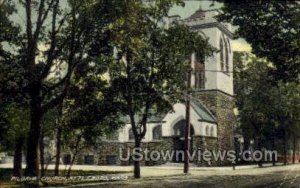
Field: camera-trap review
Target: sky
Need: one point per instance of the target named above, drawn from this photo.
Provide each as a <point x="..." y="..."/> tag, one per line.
<point x="192" y="6"/>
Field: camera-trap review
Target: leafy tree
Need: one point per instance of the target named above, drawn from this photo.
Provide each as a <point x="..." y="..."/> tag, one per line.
<point x="255" y="97"/>
<point x="151" y="62"/>
<point x="14" y="109"/>
<point x="288" y="115"/>
<point x="36" y="65"/>
<point x="53" y="45"/>
<point x="272" y="29"/>
<point x="89" y="112"/>
<point x="294" y="108"/>
<point x="87" y="91"/>
<point x="11" y="74"/>
<point x="16" y="118"/>
<point x="8" y="31"/>
<point x="268" y="109"/>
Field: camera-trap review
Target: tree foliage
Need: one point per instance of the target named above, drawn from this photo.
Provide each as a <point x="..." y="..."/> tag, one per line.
<point x="58" y="42"/>
<point x="272" y="29"/>
<point x="15" y="124"/>
<point x="254" y="89"/>
<point x="267" y="108"/>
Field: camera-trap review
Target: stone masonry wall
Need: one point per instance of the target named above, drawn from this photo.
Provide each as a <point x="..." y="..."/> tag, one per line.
<point x="106" y="149"/>
<point x="200" y="144"/>
<point x="108" y="153"/>
<point x="116" y="149"/>
<point x="221" y="105"/>
<point x="80" y="157"/>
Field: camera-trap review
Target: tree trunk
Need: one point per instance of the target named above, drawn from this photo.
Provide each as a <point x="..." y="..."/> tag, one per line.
<point x="137" y="166"/>
<point x="70" y="167"/>
<point x="32" y="163"/>
<point x="17" y="171"/>
<point x="273" y="149"/>
<point x="260" y="164"/>
<point x="58" y="140"/>
<point x="74" y="156"/>
<point x="285" y="147"/>
<point x="188" y="125"/>
<point x="294" y="149"/>
<point x="58" y="147"/>
<point x="42" y="154"/>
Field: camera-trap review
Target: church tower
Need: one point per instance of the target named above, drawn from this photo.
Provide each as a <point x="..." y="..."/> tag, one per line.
<point x="212" y="80"/>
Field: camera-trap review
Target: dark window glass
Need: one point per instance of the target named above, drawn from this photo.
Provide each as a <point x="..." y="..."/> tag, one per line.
<point x="111" y="159"/>
<point x="199" y="76"/>
<point x="67" y="159"/>
<point x="229" y="47"/>
<point x="222" y="54"/>
<point x="207" y="131"/>
<point x="89" y="159"/>
<point x="157" y="133"/>
<point x="130" y="133"/>
<point x="226" y="57"/>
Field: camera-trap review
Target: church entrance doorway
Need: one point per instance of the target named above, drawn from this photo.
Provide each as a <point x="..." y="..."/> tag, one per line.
<point x="178" y="141"/>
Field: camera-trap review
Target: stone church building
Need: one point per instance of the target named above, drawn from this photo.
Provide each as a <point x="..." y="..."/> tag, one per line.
<point x="212" y="104"/>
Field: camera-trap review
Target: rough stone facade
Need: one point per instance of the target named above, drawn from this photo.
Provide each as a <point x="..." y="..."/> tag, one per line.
<point x="166" y="144"/>
<point x="221" y="105"/>
<point x="201" y="144"/>
<point x="86" y="156"/>
<point x="109" y="151"/>
<point x="116" y="149"/>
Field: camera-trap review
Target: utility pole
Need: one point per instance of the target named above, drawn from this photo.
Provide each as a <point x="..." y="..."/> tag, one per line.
<point x="187" y="119"/>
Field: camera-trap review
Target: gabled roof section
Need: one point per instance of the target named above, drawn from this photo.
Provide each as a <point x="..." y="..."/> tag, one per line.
<point x="203" y="19"/>
<point x="199" y="14"/>
<point x="202" y="111"/>
<point x="152" y="118"/>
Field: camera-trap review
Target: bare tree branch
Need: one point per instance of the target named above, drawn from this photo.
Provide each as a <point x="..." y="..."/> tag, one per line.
<point x="47" y="10"/>
<point x="39" y="22"/>
<point x="28" y="21"/>
<point x="50" y="56"/>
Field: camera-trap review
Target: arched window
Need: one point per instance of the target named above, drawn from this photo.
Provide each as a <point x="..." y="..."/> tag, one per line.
<point x="179" y="128"/>
<point x="229" y="46"/>
<point x="207" y="131"/>
<point x="222" y="54"/>
<point x="199" y="75"/>
<point x="157" y="132"/>
<point x="226" y="57"/>
<point x="212" y="131"/>
<point x="130" y="134"/>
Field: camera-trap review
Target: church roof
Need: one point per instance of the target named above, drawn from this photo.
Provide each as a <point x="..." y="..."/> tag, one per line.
<point x="152" y="118"/>
<point x="203" y="112"/>
<point x="198" y="14"/>
<point x="203" y="19"/>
